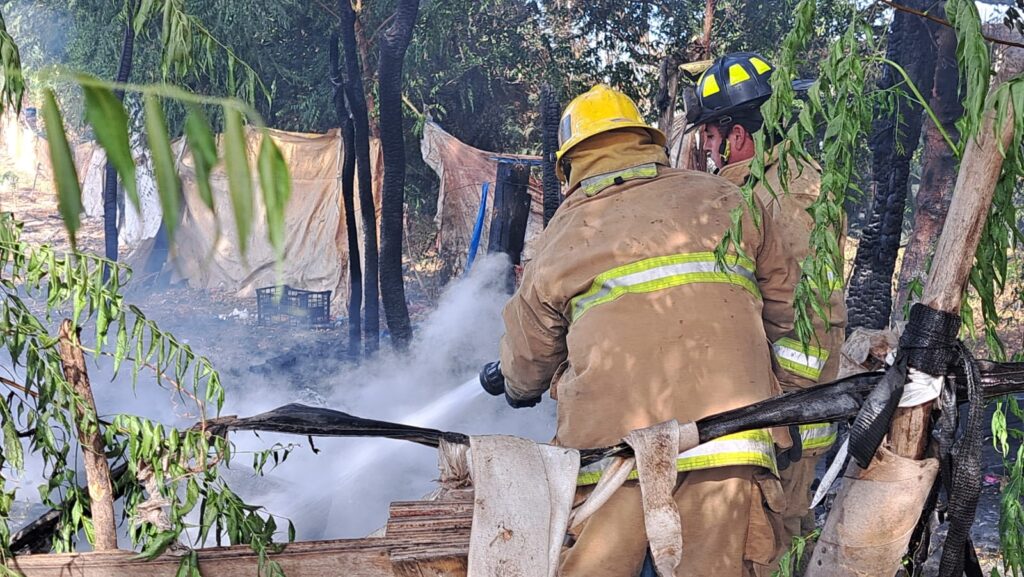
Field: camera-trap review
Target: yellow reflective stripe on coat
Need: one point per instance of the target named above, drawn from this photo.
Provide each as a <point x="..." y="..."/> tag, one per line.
<point x="793" y="357"/>
<point x="818" y="435"/>
<point x="744" y="448"/>
<point x="663" y="272"/>
<point x="596" y="184"/>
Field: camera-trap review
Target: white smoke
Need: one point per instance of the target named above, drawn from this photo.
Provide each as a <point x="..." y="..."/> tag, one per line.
<point x="345" y="490"/>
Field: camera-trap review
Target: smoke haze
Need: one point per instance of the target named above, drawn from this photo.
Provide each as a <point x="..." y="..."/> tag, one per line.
<point x="344" y="491"/>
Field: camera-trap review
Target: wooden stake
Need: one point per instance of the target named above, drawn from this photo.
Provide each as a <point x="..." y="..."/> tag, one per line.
<point x="954" y="255"/>
<point x="97" y="470"/>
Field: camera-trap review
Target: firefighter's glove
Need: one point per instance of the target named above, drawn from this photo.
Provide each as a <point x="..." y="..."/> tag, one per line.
<point x="521" y="403"/>
<point x="491" y="378"/>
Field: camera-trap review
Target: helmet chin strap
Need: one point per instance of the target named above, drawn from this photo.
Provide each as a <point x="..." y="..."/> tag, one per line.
<point x="566" y="168"/>
<point x="724" y="151"/>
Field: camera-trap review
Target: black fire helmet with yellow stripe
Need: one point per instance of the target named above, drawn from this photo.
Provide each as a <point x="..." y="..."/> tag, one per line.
<point x="735" y="83"/>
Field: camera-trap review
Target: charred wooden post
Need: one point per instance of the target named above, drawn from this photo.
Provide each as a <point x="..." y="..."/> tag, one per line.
<point x="895" y="136"/>
<point x="348" y="179"/>
<point x="510" y="214"/>
<point x="550" y="113"/>
<point x="97" y="470"/>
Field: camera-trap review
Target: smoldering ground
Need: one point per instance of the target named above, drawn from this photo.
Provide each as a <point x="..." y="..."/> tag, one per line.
<point x="344" y="489"/>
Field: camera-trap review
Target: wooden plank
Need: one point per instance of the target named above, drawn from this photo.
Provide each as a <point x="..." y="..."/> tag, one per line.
<point x="954" y="256"/>
<point x="340" y="558"/>
<point x="423" y="539"/>
<point x="429" y="538"/>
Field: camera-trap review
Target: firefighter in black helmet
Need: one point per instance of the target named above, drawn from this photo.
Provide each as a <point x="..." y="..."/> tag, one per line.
<point x="730" y="94"/>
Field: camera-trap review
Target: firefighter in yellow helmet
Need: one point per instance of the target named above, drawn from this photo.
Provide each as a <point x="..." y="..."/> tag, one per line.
<point x="625" y="316"/>
<point x="730" y="94"/>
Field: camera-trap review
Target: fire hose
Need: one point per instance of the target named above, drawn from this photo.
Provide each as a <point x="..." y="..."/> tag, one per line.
<point x="835" y="401"/>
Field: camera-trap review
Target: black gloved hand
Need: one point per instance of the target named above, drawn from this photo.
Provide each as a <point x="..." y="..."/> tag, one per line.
<point x="491" y="378"/>
<point x="521" y="404"/>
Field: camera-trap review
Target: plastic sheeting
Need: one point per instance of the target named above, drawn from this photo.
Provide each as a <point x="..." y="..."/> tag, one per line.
<point x="463" y="170"/>
<point x="134" y="224"/>
<point x="316" y="253"/>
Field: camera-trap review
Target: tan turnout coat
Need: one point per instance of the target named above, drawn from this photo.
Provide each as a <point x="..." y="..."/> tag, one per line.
<point x="788" y="211"/>
<point x="621" y="359"/>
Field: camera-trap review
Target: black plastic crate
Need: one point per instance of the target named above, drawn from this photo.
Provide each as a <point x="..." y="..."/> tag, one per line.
<point x="286" y="305"/>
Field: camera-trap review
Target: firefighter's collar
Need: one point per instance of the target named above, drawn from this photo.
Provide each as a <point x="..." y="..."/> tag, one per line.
<point x="593" y="185"/>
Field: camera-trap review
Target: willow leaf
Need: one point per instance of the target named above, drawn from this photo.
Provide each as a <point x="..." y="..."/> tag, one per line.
<point x="168" y="183"/>
<point x="13" y="83"/>
<point x="204" y="151"/>
<point x="69" y="193"/>
<point x="105" y="113"/>
<point x="277" y="189"/>
<point x="972" y="54"/>
<point x="236" y="161"/>
<point x="13" y="452"/>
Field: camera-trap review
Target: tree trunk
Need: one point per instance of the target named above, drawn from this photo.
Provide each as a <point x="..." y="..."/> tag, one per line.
<point x="938" y="170"/>
<point x="348" y="174"/>
<point x="895" y="137"/>
<point x="94" y="456"/>
<point x="954" y="256"/>
<point x="124" y="71"/>
<point x="393" y="45"/>
<point x="668" y="88"/>
<point x="550" y="113"/>
<point x="363" y="45"/>
<point x="357" y="108"/>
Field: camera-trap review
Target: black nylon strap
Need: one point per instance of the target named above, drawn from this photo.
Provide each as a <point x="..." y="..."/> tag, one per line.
<point x="965" y="486"/>
<point x="930" y="340"/>
<point x="872" y="421"/>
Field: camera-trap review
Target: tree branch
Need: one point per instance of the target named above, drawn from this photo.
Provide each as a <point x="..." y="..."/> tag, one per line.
<point x="17" y="387"/>
<point x="944" y="22"/>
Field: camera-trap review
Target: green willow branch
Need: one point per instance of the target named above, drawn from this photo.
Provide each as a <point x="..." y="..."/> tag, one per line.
<point x="59" y="74"/>
<point x="924" y="103"/>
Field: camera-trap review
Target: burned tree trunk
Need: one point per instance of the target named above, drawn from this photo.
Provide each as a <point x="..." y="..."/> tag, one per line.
<point x="894" y="139"/>
<point x="124" y="70"/>
<point x="550" y="113"/>
<point x="361" y="126"/>
<point x="938" y="170"/>
<point x="668" y="88"/>
<point x="393" y="45"/>
<point x="348" y="174"/>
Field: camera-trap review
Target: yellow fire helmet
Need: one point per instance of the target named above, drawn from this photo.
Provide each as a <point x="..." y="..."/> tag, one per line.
<point x="598" y="110"/>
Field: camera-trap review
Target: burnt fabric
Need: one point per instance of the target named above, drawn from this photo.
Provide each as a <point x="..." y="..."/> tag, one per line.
<point x="626" y="317"/>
